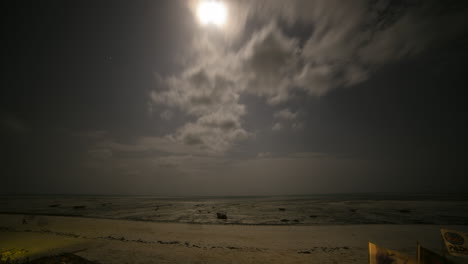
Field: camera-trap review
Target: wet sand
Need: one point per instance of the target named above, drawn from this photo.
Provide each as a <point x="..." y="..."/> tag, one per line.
<point x="120" y="241"/>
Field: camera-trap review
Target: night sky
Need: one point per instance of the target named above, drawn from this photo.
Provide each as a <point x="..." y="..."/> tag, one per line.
<point x="285" y="97"/>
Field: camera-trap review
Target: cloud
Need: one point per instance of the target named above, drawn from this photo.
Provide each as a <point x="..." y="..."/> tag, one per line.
<point x="166" y="145"/>
<point x="268" y="63"/>
<point x="277" y="127"/>
<point x="214" y="133"/>
<point x="287" y="118"/>
<point x="261" y="53"/>
<point x="213" y="99"/>
<point x="166" y="115"/>
<point x="297" y="126"/>
<point x="286" y="114"/>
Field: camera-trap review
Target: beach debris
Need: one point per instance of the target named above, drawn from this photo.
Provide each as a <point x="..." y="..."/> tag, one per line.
<point x="11" y="254"/>
<point x="329" y="249"/>
<point x="54" y="205"/>
<point x="168" y="242"/>
<point x="220" y="215"/>
<point x="79" y="207"/>
<point x="352" y="210"/>
<point x="304" y="252"/>
<point x="313" y="216"/>
<point x="404" y="211"/>
<point x="232" y="247"/>
<point x="284" y="220"/>
<point x="282" y="209"/>
<point x="296" y="220"/>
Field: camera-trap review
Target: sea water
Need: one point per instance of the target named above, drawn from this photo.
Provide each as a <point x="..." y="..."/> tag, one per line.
<point x="335" y="209"/>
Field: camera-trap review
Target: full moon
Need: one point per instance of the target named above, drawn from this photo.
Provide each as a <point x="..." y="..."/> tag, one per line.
<point x="211" y="12"/>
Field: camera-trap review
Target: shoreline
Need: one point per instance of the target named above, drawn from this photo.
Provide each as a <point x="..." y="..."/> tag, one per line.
<point x="110" y="241"/>
<point x="222" y="224"/>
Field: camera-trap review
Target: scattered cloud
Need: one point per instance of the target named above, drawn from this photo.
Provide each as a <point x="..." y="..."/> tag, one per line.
<point x="286" y="114"/>
<point x="346" y="42"/>
<point x="297" y="126"/>
<point x="166" y="115"/>
<point x="268" y="63"/>
<point x="213" y="99"/>
<point x="277" y="127"/>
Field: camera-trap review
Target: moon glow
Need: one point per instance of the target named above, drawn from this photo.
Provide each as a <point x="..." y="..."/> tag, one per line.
<point x="211" y="12"/>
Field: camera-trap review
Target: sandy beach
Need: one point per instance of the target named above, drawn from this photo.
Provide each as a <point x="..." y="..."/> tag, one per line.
<point x="120" y="241"/>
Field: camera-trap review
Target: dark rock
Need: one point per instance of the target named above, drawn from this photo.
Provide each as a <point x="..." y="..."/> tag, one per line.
<point x="352" y="210"/>
<point x="168" y="242"/>
<point x="313" y="216"/>
<point x="405" y="211"/>
<point x="79" y="207"/>
<point x="282" y="209"/>
<point x="304" y="252"/>
<point x="54" y="205"/>
<point x="284" y="220"/>
<point x="296" y="220"/>
<point x="221" y="215"/>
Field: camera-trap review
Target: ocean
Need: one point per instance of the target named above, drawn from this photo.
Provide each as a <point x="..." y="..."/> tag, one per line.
<point x="327" y="209"/>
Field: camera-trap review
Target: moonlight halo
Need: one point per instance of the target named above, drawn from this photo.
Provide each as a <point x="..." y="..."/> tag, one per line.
<point x="211" y="12"/>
